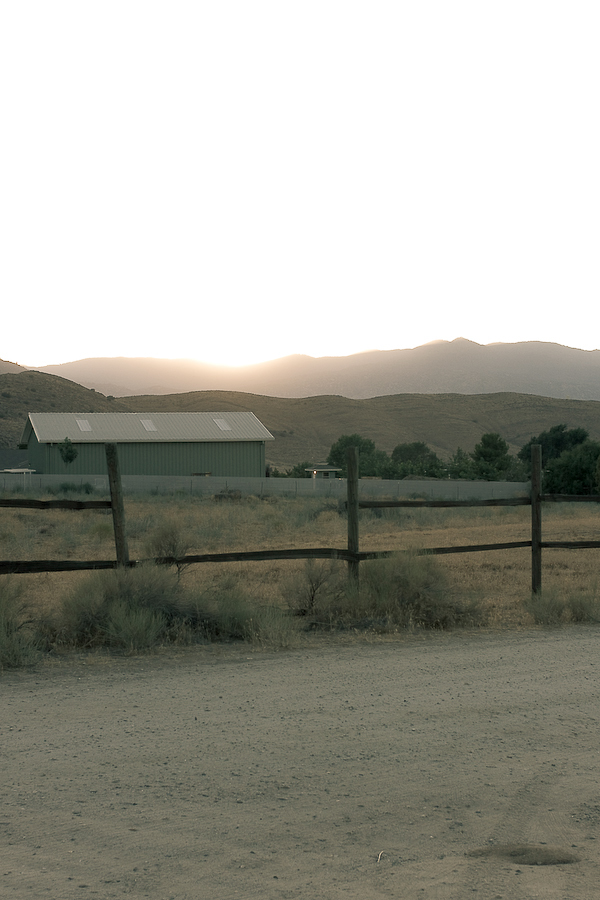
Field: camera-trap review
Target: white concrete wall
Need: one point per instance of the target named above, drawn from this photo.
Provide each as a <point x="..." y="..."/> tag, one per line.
<point x="295" y="487"/>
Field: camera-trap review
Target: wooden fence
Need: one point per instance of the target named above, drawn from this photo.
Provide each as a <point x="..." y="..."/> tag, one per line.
<point x="351" y="554"/>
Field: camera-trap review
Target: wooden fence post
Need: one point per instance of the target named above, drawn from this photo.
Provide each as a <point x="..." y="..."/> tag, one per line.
<point x="116" y="497"/>
<point x="536" y="518"/>
<point x="352" y="503"/>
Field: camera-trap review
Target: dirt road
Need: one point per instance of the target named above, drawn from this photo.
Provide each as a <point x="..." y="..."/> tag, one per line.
<point x="361" y="771"/>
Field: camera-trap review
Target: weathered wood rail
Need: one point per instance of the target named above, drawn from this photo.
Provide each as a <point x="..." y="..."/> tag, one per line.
<point x="55" y="504"/>
<point x="351" y="554"/>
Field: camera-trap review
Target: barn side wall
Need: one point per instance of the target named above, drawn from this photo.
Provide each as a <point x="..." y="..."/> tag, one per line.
<point x="242" y="459"/>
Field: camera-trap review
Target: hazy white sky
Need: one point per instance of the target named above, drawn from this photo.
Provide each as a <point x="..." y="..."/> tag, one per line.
<point x="238" y="181"/>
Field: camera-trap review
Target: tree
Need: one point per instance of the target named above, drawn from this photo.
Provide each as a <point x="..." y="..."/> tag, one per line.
<point x="416" y="459"/>
<point x="491" y="457"/>
<point x="575" y="471"/>
<point x="461" y="465"/>
<point x="298" y="471"/>
<point x="68" y="452"/>
<point x="553" y="442"/>
<point x="375" y="465"/>
<point x="371" y="461"/>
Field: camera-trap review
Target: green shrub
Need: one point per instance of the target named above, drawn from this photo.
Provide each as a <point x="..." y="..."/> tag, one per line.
<point x="144" y="606"/>
<point x="223" y="611"/>
<point x="547" y="607"/>
<point x="403" y="591"/>
<point x="134" y="627"/>
<point x="112" y="608"/>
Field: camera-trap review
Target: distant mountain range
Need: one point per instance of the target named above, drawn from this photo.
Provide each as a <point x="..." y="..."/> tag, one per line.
<point x="458" y="367"/>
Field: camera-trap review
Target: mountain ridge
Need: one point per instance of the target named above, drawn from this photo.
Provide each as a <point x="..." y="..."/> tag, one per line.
<point x="459" y="366"/>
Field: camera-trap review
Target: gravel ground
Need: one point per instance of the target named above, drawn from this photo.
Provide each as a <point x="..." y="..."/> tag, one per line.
<point x="440" y="766"/>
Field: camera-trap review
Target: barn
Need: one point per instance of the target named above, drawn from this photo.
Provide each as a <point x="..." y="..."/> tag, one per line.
<point x="220" y="443"/>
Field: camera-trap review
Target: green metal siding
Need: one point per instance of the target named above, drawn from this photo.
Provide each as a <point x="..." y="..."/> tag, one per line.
<point x="242" y="458"/>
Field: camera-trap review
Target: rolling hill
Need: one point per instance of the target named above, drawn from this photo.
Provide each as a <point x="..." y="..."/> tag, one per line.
<point x="456" y="367"/>
<point x="305" y="428"/>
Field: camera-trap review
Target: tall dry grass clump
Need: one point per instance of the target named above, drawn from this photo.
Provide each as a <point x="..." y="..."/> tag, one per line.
<point x="555" y="606"/>
<point x="226" y="611"/>
<point x="148" y="605"/>
<point x="406" y="590"/>
<point x="126" y="608"/>
<point x="168" y="539"/>
<point x="19" y="642"/>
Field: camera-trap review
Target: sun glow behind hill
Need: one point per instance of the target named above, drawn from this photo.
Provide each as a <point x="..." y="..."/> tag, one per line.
<point x="459" y="366"/>
<point x="246" y="181"/>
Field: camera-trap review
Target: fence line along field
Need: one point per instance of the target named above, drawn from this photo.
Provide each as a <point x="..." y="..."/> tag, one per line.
<point x="280" y="602"/>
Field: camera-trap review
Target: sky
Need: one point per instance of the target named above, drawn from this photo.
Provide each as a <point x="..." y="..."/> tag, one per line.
<point x="239" y="181"/>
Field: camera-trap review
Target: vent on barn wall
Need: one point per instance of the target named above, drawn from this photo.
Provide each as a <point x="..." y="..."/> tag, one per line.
<point x="148" y="424"/>
<point x="223" y="425"/>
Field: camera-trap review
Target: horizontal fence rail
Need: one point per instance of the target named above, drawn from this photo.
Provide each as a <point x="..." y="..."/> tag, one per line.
<point x="397" y="504"/>
<point x="574" y="545"/>
<point x="71" y="565"/>
<point x="570" y="498"/>
<point x="56" y="504"/>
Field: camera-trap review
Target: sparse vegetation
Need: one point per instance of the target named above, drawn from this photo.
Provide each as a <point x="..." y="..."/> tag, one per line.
<point x="407" y="590"/>
<point x="556" y="606"/>
<point x="73" y="487"/>
<point x="139" y="608"/>
<point x="169" y="540"/>
<point x="19" y="643"/>
<point x="276" y="604"/>
<point x="126" y="608"/>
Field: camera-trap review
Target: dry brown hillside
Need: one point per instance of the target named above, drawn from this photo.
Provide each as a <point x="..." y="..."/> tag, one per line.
<point x="29" y="391"/>
<point x="306" y="428"/>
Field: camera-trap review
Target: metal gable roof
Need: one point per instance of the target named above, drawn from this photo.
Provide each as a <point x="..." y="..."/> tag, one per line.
<point x="145" y="427"/>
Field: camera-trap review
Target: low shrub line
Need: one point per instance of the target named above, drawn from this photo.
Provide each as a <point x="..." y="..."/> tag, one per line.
<point x="137" y="609"/>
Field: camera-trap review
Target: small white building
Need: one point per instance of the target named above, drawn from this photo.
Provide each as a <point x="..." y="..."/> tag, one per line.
<point x="322" y="470"/>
